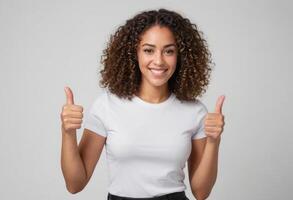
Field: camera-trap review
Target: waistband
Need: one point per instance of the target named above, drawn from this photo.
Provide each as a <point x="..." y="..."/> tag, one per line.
<point x="170" y="196"/>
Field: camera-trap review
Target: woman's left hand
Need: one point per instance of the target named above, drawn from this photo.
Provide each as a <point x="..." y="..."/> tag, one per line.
<point x="214" y="122"/>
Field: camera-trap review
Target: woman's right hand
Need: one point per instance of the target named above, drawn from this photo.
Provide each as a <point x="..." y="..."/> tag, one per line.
<point x="71" y="115"/>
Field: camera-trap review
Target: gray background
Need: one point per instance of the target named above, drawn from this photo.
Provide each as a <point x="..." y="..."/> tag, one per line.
<point x="46" y="45"/>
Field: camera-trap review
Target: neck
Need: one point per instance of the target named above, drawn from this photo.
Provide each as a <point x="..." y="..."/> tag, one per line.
<point x="153" y="94"/>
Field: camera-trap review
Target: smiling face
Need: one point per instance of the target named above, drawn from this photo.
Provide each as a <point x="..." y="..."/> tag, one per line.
<point x="157" y="57"/>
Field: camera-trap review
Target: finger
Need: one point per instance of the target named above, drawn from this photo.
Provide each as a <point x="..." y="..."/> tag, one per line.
<point x="214" y="122"/>
<point x="219" y="104"/>
<point x="213" y="129"/>
<point x="76" y="108"/>
<point x="212" y="116"/>
<point x="72" y="127"/>
<point x="73" y="121"/>
<point x="212" y="134"/>
<point x="72" y="115"/>
<point x="73" y="107"/>
<point x="69" y="95"/>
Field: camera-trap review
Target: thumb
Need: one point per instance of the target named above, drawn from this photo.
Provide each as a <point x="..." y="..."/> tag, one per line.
<point x="69" y="96"/>
<point x="219" y="104"/>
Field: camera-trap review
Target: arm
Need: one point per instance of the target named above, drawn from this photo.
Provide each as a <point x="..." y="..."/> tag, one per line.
<point x="203" y="161"/>
<point x="78" y="161"/>
<point x="202" y="167"/>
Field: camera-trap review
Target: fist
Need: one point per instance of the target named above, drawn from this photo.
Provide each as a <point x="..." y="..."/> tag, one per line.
<point x="214" y="122"/>
<point x="71" y="115"/>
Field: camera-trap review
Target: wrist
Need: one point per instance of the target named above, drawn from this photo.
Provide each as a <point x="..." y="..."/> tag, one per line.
<point x="214" y="141"/>
<point x="65" y="133"/>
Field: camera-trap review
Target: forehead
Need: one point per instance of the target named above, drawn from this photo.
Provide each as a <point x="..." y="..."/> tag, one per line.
<point x="158" y="36"/>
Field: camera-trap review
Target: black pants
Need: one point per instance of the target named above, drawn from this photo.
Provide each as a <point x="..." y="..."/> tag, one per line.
<point x="171" y="196"/>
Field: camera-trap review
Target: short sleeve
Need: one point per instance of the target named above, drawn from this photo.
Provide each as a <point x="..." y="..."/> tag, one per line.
<point x="94" y="119"/>
<point x="199" y="132"/>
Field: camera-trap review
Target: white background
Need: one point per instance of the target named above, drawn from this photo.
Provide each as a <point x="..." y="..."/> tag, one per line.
<point x="46" y="45"/>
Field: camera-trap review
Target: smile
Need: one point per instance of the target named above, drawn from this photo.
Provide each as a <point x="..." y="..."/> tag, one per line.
<point x="158" y="72"/>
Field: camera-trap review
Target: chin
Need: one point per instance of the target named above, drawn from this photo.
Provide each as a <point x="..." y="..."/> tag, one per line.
<point x="158" y="83"/>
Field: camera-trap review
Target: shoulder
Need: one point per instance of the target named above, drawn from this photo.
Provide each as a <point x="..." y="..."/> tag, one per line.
<point x="201" y="110"/>
<point x="106" y="99"/>
<point x="100" y="99"/>
<point x="101" y="95"/>
<point x="195" y="105"/>
<point x="200" y="106"/>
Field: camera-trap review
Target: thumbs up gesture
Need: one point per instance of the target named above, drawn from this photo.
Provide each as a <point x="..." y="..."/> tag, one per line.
<point x="214" y="122"/>
<point x="71" y="115"/>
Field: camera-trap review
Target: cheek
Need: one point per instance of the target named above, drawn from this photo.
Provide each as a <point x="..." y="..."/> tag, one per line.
<point x="173" y="62"/>
<point x="143" y="65"/>
<point x="143" y="60"/>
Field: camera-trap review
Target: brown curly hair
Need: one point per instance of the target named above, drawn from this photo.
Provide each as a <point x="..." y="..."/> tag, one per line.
<point x="121" y="73"/>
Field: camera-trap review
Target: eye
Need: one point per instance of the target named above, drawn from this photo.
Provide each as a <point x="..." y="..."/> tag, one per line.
<point x="170" y="51"/>
<point x="148" y="50"/>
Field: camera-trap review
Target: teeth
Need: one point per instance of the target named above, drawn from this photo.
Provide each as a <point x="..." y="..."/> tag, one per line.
<point x="158" y="71"/>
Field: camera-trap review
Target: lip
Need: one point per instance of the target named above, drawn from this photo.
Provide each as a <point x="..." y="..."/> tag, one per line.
<point x="159" y="74"/>
<point x="159" y="68"/>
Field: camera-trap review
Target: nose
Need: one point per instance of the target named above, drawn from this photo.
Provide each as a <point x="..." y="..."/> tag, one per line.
<point x="158" y="59"/>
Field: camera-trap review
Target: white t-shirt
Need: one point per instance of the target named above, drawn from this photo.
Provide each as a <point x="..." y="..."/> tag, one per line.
<point x="147" y="144"/>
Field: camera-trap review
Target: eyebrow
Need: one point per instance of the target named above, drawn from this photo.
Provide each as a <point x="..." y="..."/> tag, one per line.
<point x="168" y="45"/>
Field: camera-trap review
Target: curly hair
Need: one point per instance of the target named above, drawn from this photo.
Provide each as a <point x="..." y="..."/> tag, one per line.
<point x="121" y="73"/>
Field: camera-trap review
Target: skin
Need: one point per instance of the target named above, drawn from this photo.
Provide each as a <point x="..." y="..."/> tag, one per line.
<point x="203" y="160"/>
<point x="78" y="161"/>
<point x="157" y="49"/>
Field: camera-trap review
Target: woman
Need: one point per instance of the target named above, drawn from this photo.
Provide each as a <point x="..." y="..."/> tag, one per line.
<point x="148" y="116"/>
